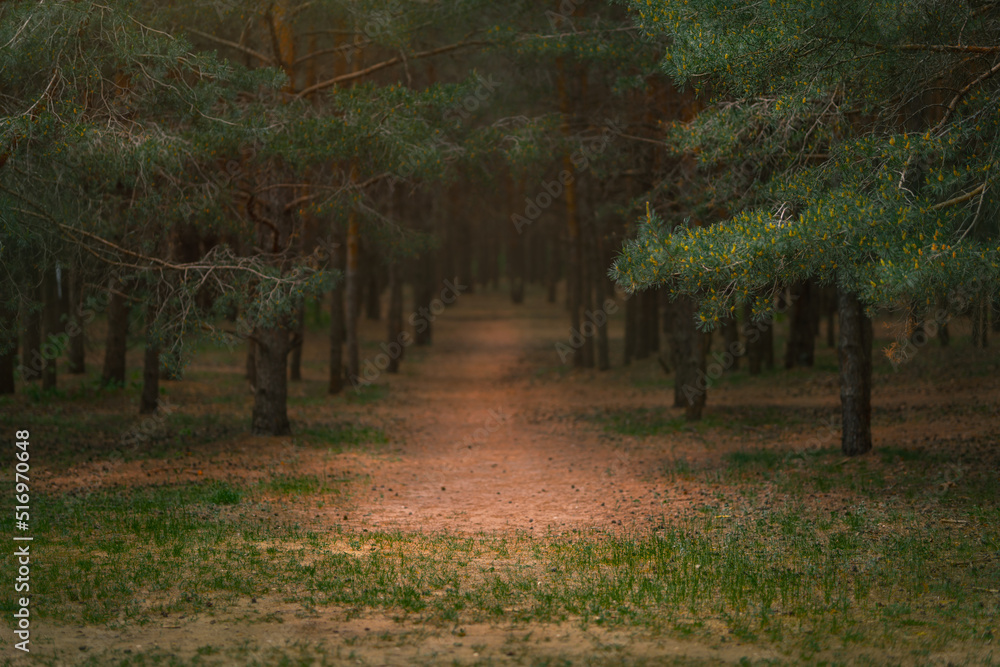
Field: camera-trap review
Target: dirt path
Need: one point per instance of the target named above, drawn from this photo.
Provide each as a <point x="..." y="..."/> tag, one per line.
<point x="486" y="446"/>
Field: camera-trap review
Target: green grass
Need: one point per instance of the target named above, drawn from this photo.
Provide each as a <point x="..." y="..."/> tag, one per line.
<point x="863" y="575"/>
<point x="339" y="435"/>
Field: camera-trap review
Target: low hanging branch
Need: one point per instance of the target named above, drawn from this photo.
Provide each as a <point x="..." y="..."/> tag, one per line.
<point x="322" y="85"/>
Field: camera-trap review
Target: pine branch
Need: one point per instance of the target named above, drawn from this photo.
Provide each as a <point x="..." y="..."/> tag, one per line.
<point x="234" y="45"/>
<point x="322" y="85"/>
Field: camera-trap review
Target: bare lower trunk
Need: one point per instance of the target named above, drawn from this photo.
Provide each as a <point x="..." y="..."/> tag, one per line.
<point x="77" y="358"/>
<point x="8" y="345"/>
<point x="351" y="296"/>
<point x="295" y="362"/>
<point x="270" y="408"/>
<point x="336" y="383"/>
<point x="603" y="296"/>
<point x="731" y="339"/>
<point x="150" y="400"/>
<point x="631" y="310"/>
<point x="855" y="353"/>
<point x="51" y="341"/>
<point x="801" y="347"/>
<point x="117" y="341"/>
<point x="395" y="318"/>
<point x="31" y="347"/>
<point x="689" y="373"/>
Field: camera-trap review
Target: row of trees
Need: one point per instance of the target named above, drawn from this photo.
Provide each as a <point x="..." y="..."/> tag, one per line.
<point x="180" y="166"/>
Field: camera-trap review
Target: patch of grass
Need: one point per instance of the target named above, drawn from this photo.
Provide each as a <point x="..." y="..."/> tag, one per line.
<point x="343" y="434"/>
<point x="861" y="575"/>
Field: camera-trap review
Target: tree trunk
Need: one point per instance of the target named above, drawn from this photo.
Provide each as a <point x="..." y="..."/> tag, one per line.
<point x="373" y="293"/>
<point x="731" y="341"/>
<point x="552" y="270"/>
<point x="52" y="342"/>
<point x="252" y="363"/>
<point x="150" y="400"/>
<point x="801" y="347"/>
<point x="603" y="296"/>
<point x="423" y="328"/>
<point x="642" y="330"/>
<point x="337" y="325"/>
<point x="77" y="359"/>
<point x="754" y="337"/>
<point x="689" y="373"/>
<point x="295" y="363"/>
<point x="113" y="373"/>
<point x="395" y="318"/>
<point x="855" y="353"/>
<point x="652" y="323"/>
<point x="270" y="408"/>
<point x="31" y="348"/>
<point x="631" y="310"/>
<point x="587" y="303"/>
<point x="351" y="288"/>
<point x="8" y="345"/>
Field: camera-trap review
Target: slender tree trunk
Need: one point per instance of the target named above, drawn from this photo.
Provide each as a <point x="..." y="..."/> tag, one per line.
<point x="631" y="310"/>
<point x="731" y="341"/>
<point x="642" y="342"/>
<point x="337" y="326"/>
<point x="801" y="347"/>
<point x="252" y="363"/>
<point x="31" y="348"/>
<point x="395" y="317"/>
<point x="652" y="304"/>
<point x="587" y="303"/>
<point x="51" y="341"/>
<point x="295" y="362"/>
<point x="552" y="270"/>
<point x="150" y="400"/>
<point x="855" y="353"/>
<point x="423" y="330"/>
<point x="373" y="293"/>
<point x="689" y="374"/>
<point x="351" y="287"/>
<point x="8" y="345"/>
<point x="270" y="409"/>
<point x="754" y="337"/>
<point x="117" y="341"/>
<point x="603" y="297"/>
<point x="830" y="306"/>
<point x="77" y="359"/>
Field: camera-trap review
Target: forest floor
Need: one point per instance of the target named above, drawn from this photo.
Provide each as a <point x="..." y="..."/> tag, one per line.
<point x="489" y="504"/>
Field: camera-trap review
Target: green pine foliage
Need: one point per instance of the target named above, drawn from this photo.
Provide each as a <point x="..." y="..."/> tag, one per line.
<point x="851" y="142"/>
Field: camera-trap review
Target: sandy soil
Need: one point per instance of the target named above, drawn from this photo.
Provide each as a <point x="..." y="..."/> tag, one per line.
<point x="490" y="433"/>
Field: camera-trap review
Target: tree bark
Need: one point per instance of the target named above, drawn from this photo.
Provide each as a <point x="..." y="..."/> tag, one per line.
<point x="731" y="341"/>
<point x="855" y="354"/>
<point x="337" y="331"/>
<point x="77" y="358"/>
<point x="395" y="317"/>
<point x="31" y="348"/>
<point x="295" y="363"/>
<point x="51" y="340"/>
<point x="150" y="399"/>
<point x="351" y="288"/>
<point x="631" y="310"/>
<point x="604" y="295"/>
<point x="689" y="373"/>
<point x="801" y="347"/>
<point x="117" y="341"/>
<point x="8" y="346"/>
<point x="270" y="408"/>
<point x="373" y="292"/>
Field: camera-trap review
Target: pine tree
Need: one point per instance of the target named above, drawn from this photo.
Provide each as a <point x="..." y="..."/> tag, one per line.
<point x="837" y="158"/>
